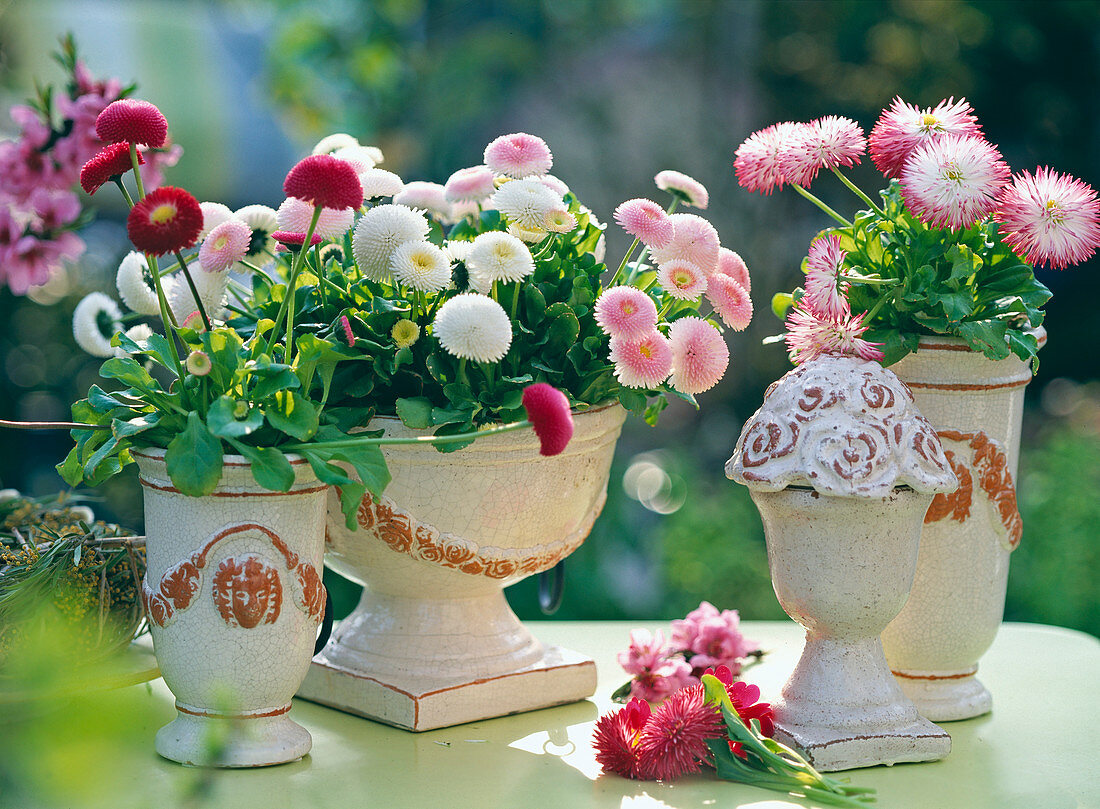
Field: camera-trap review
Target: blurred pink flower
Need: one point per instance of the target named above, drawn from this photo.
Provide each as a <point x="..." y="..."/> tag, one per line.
<point x="731" y="264"/>
<point x="472" y="184"/>
<point x="953" y="181"/>
<point x="712" y="638"/>
<point x="903" y="127"/>
<point x="156" y="161"/>
<point x="656" y="673"/>
<point x="1049" y="218"/>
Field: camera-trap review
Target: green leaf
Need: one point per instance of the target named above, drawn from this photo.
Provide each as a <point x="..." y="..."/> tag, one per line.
<point x="563" y="329"/>
<point x="124" y="429"/>
<point x="781" y="302"/>
<point x="350" y="490"/>
<point x="534" y="305"/>
<point x="223" y="421"/>
<point x="987" y="336"/>
<point x="194" y="458"/>
<point x="274" y="379"/>
<point x="270" y="468"/>
<point x="632" y="400"/>
<point x="455" y="429"/>
<point x="293" y="414"/>
<point x="127" y="371"/>
<point x="445" y="415"/>
<point x="71" y="469"/>
<point x="415" y="413"/>
<point x="964" y="263"/>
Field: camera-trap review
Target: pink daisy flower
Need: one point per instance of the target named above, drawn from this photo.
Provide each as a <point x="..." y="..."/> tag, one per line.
<point x="644" y="363"/>
<point x="548" y="411"/>
<point x="953" y="181"/>
<point x="687" y="189"/>
<point x="681" y="279"/>
<point x="674" y="740"/>
<point x="225" y="245"/>
<point x="757" y="160"/>
<point x="809" y="336"/>
<point x="825" y="289"/>
<point x="626" y="313"/>
<point x="731" y="264"/>
<point x="295" y="214"/>
<point x="699" y="355"/>
<point x="694" y="239"/>
<point x="1049" y="218"/>
<point x="132" y="120"/>
<point x="112" y="161"/>
<point x="519" y="155"/>
<point x="615" y="738"/>
<point x="324" y="180"/>
<point x="426" y="196"/>
<point x="292" y="239"/>
<point x="827" y="143"/>
<point x="473" y="184"/>
<point x="903" y="127"/>
<point x="645" y="220"/>
<point x="730" y="301"/>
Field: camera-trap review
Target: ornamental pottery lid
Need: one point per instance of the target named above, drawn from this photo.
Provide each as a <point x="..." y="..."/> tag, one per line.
<point x="845" y="427"/>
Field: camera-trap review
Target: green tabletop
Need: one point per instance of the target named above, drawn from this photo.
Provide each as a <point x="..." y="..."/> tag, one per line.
<point x="1037" y="750"/>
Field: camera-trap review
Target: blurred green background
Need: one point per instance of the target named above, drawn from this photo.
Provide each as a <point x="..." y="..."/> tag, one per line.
<point x="620" y="89"/>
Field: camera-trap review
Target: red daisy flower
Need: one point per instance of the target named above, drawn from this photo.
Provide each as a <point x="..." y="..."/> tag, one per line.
<point x="744" y="698"/>
<point x="133" y="121"/>
<point x="616" y="738"/>
<point x="548" y="411"/>
<point x="674" y="740"/>
<point x="292" y="239"/>
<point x="167" y="220"/>
<point x="325" y="180"/>
<point x="112" y="161"/>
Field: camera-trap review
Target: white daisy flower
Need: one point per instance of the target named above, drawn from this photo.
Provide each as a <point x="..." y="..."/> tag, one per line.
<point x="426" y="197"/>
<point x="213" y="214"/>
<point x="560" y="221"/>
<point x="375" y="154"/>
<point x="380" y="232"/>
<point x="458" y="250"/>
<point x="528" y="235"/>
<point x="473" y="327"/>
<point x="359" y="156"/>
<point x="294" y="215"/>
<point x="264" y="221"/>
<point x="422" y="266"/>
<point x="136" y="333"/>
<point x="497" y="256"/>
<point x="380" y="183"/>
<point x="210" y="285"/>
<point x="96" y="319"/>
<point x="526" y="202"/>
<point x="135" y="285"/>
<point x="330" y="143"/>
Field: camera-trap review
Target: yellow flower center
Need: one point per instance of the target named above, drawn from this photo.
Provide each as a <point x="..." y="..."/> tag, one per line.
<point x="681" y="279"/>
<point x="929" y="120"/>
<point x="628" y="308"/>
<point x="163" y="214"/>
<point x="221" y="242"/>
<point x="647" y="352"/>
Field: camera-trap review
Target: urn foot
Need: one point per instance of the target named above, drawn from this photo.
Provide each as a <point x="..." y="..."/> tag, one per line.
<point x="208" y="739"/>
<point x="828" y="751"/>
<point x="946" y="697"/>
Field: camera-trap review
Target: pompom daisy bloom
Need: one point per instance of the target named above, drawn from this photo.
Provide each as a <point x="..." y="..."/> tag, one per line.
<point x="809" y="336"/>
<point x="405" y="333"/>
<point x="1049" y="218"/>
<point x="332" y="251"/>
<point x="473" y="327"/>
<point x="360" y="157"/>
<point x="548" y="411"/>
<point x="422" y="266"/>
<point x="458" y="249"/>
<point x="330" y="143"/>
<point x="681" y="279"/>
<point x="526" y="203"/>
<point x="497" y="256"/>
<point x="213" y="214"/>
<point x="615" y="738"/>
<point x="953" y="181"/>
<point x="326" y="181"/>
<point x="730" y="301"/>
<point x="425" y="196"/>
<point x="135" y="285"/>
<point x="472" y="184"/>
<point x="166" y="220"/>
<point x="645" y="220"/>
<point x="382" y="230"/>
<point x="527" y="235"/>
<point x="903" y="127"/>
<point x="825" y="289"/>
<point x="558" y="221"/>
<point x="731" y="264"/>
<point x="290" y="240"/>
<point x="757" y="160"/>
<point x="519" y="155"/>
<point x="225" y="245"/>
<point x="674" y="740"/>
<point x="211" y="287"/>
<point x="111" y="163"/>
<point x="693" y="239"/>
<point x="131" y="120"/>
<point x="686" y="189"/>
<point x="295" y="214"/>
<point x="553" y="183"/>
<point x="96" y="320"/>
<point x="263" y="221"/>
<point x="380" y="183"/>
<point x="699" y="355"/>
<point x="644" y="363"/>
<point x="626" y="313"/>
<point x="824" y="144"/>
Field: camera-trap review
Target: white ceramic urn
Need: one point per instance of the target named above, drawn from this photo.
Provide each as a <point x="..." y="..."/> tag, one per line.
<point x="842" y="468"/>
<point x="433" y="641"/>
<point x="234" y="597"/>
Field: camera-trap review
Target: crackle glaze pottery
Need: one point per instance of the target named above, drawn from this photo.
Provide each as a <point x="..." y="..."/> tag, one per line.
<point x="842" y="468"/>
<point x="234" y="596"/>
<point x="955" y="609"/>
<point x="433" y="641"/>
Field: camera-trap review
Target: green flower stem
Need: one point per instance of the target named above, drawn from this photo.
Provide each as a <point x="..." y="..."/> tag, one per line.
<point x="166" y="317"/>
<point x="889" y="296"/>
<point x="258" y="270"/>
<point x="462" y="377"/>
<point x="622" y="265"/>
<point x="821" y="205"/>
<point x="870" y="281"/>
<point x="673" y="205"/>
<point x="638" y="264"/>
<point x="352" y="443"/>
<point x="855" y="189"/>
<point x="515" y="301"/>
<point x="339" y="290"/>
<point x="194" y="291"/>
<point x="320" y="274"/>
<point x="125" y="193"/>
<point x="137" y="171"/>
<point x="285" y="307"/>
<point x="52" y="425"/>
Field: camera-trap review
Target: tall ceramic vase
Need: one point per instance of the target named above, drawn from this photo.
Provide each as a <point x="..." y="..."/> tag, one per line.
<point x="957" y="602"/>
<point x="234" y="596"/>
<point x="433" y="641"/>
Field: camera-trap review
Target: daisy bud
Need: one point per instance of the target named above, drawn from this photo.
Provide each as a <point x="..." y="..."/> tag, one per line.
<point x="405" y="333"/>
<point x="132" y="120"/>
<point x="349" y="335"/>
<point x="548" y="411"/>
<point x="198" y="363"/>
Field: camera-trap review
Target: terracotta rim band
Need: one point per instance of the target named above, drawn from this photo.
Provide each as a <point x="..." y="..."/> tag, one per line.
<point x="935" y="676"/>
<point x="224" y="715"/>
<point x="174" y="490"/>
<point x="296" y="462"/>
<point x="963" y="386"/>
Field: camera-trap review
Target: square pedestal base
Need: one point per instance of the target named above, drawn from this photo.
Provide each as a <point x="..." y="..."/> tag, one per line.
<point x="561" y="676"/>
<point x="828" y="752"/>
